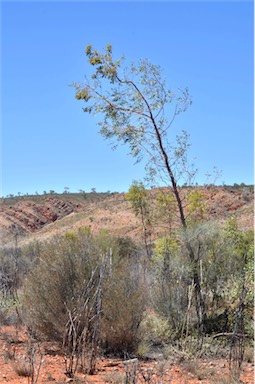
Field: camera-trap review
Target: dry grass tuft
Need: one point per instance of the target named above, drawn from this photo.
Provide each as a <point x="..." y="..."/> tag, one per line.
<point x="22" y="368"/>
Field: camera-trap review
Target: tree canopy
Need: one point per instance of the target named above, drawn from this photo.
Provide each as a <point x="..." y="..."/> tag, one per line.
<point x="135" y="107"/>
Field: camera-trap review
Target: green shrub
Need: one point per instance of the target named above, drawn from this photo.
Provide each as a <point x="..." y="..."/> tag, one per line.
<point x="67" y="277"/>
<point x="55" y="284"/>
<point x="155" y="329"/>
<point x="123" y="307"/>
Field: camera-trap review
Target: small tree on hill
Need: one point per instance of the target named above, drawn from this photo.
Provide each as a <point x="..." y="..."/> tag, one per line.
<point x="137" y="109"/>
<point x="138" y="197"/>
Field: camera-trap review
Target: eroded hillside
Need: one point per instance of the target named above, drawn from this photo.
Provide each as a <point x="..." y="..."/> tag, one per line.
<point x="44" y="216"/>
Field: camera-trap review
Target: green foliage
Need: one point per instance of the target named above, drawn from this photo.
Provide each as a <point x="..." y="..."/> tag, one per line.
<point x="133" y="111"/>
<point x="196" y="205"/>
<point x="155" y="330"/>
<point x="55" y="284"/>
<point x="241" y="245"/>
<point x="165" y="209"/>
<point x="133" y="105"/>
<point x="164" y="245"/>
<point x="83" y="95"/>
<point x="242" y="241"/>
<point x="220" y="266"/>
<point x="72" y="236"/>
<point x="138" y="197"/>
<point x="217" y="266"/>
<point x="15" y="264"/>
<point x="85" y="231"/>
<point x="125" y="296"/>
<point x="68" y="270"/>
<point x="172" y="278"/>
<point x="125" y="248"/>
<point x="164" y="200"/>
<point x="106" y="68"/>
<point x="123" y="308"/>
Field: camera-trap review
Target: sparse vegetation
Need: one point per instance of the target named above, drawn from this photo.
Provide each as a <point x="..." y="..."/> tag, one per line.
<point x="147" y="300"/>
<point x="132" y="110"/>
<point x="185" y="289"/>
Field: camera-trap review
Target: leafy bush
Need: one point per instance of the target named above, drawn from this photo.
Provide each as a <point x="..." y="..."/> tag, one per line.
<point x="55" y="284"/>
<point x="66" y="279"/>
<point x="171" y="281"/>
<point x="15" y="263"/>
<point x="123" y="306"/>
<point x="154" y="329"/>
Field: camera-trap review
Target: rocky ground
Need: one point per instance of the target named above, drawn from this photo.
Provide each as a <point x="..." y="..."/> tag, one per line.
<point x="15" y="363"/>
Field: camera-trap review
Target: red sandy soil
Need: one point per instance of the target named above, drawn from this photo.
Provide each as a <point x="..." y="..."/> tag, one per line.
<point x="14" y="347"/>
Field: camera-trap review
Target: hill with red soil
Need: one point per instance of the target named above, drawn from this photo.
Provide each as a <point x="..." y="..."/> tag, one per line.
<point x="43" y="216"/>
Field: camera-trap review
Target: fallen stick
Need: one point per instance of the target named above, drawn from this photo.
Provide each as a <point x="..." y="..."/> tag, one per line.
<point x="229" y="334"/>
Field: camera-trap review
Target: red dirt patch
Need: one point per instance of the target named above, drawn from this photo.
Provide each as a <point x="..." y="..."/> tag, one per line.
<point x="13" y="352"/>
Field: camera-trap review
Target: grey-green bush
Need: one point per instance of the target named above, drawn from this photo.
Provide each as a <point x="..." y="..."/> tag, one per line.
<point x="54" y="286"/>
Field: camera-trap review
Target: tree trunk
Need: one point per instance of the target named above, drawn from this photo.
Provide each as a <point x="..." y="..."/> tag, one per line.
<point x="200" y="306"/>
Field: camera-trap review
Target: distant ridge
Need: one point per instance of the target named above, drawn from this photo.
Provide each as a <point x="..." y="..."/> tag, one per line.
<point x="41" y="216"/>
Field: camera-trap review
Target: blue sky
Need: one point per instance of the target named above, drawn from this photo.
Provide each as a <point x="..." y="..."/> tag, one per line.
<point x="48" y="142"/>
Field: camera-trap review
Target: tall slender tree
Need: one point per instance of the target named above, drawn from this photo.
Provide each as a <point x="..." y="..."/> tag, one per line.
<point x="136" y="108"/>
